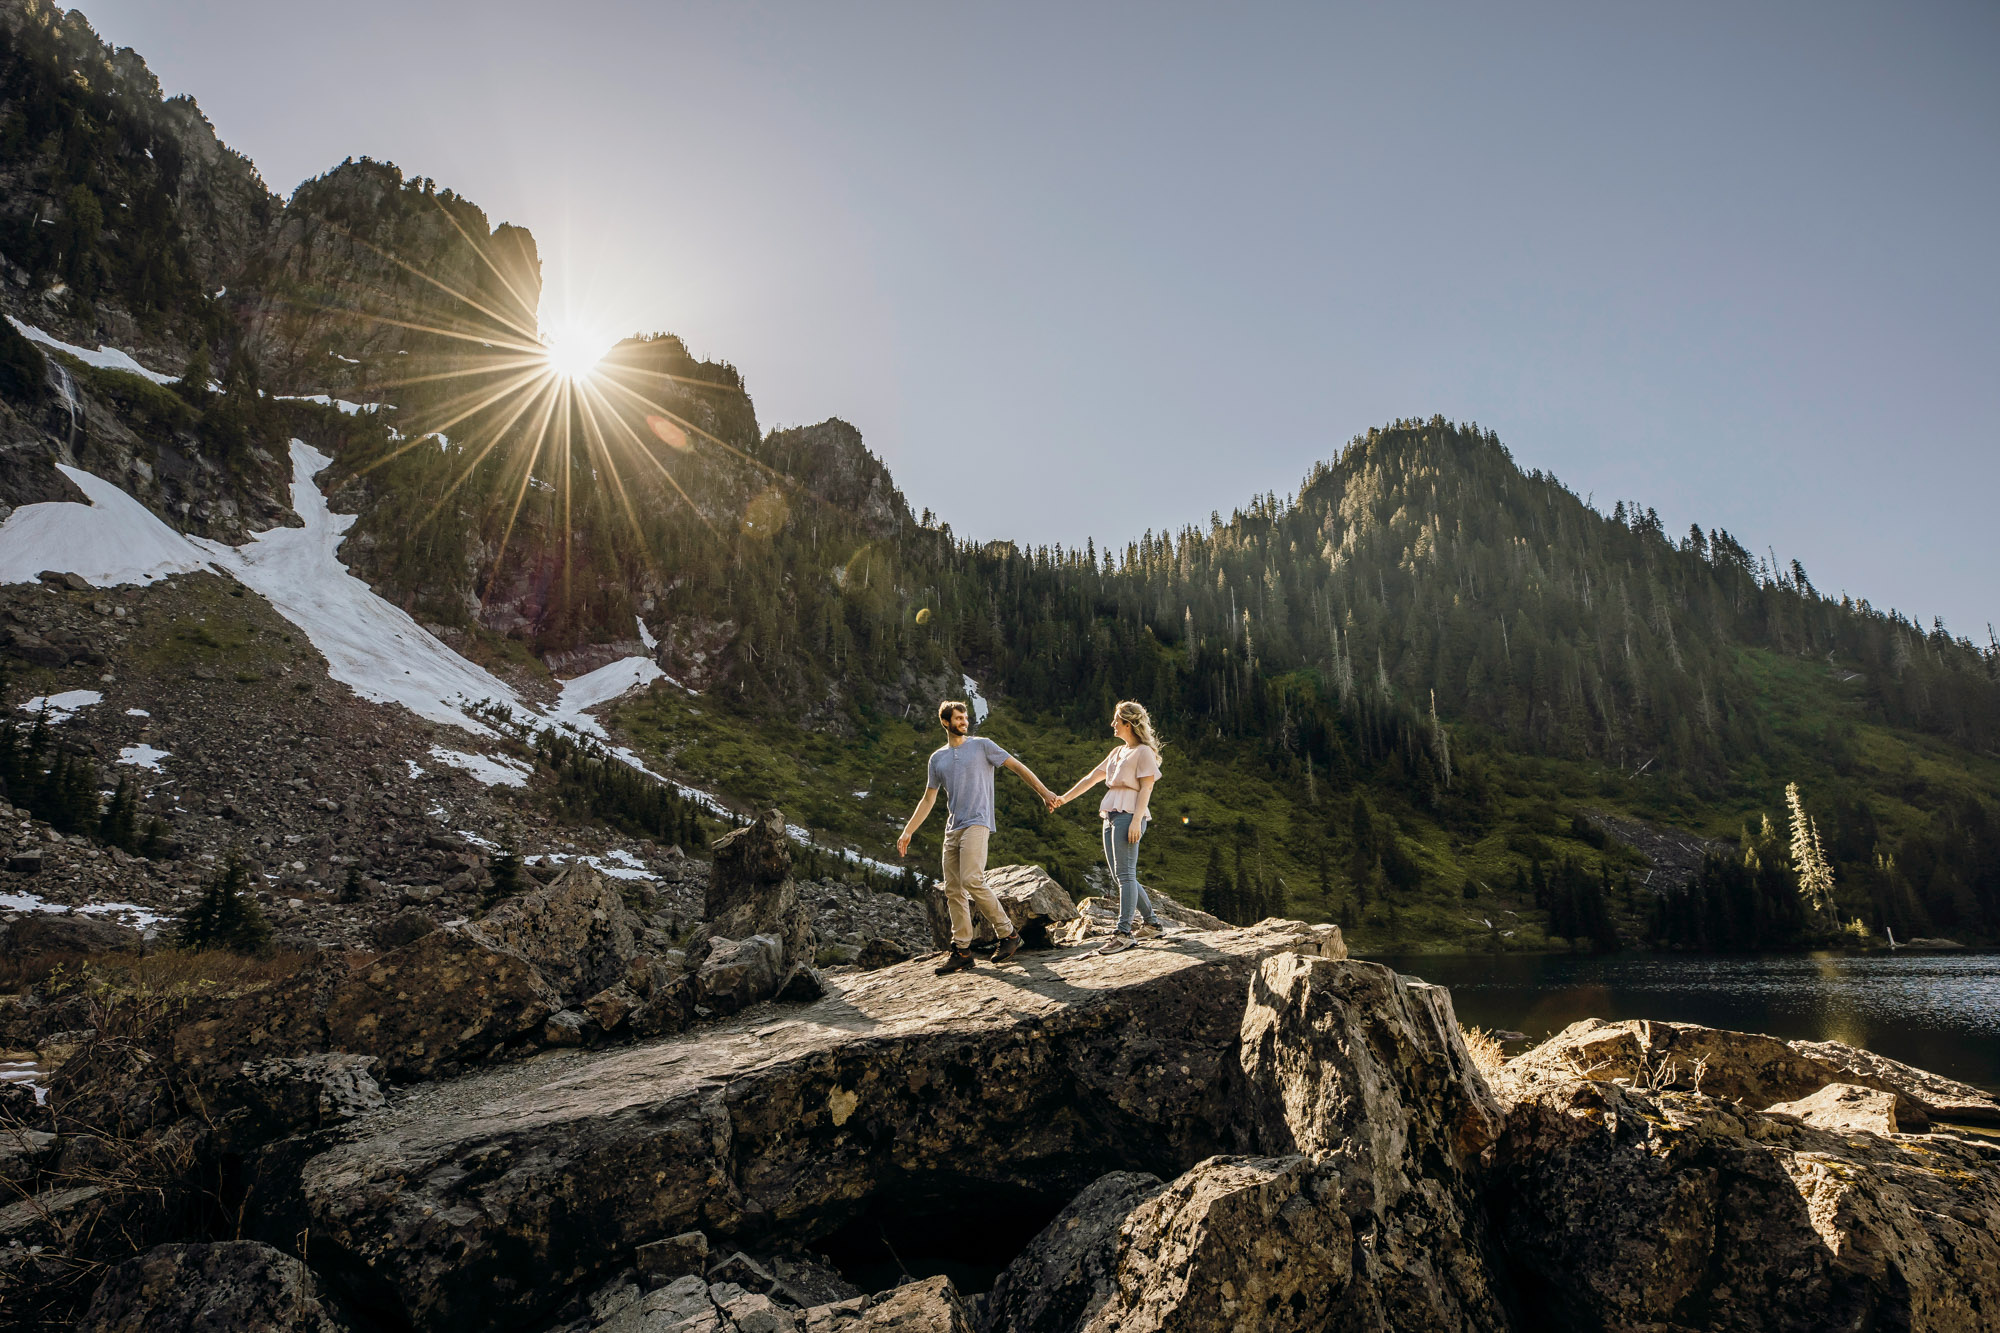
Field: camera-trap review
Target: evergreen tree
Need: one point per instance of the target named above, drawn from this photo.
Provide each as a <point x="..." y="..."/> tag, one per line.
<point x="226" y="916"/>
<point x="118" y="826"/>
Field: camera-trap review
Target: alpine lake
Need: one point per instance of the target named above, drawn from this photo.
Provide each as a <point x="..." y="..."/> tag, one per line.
<point x="1938" y="1011"/>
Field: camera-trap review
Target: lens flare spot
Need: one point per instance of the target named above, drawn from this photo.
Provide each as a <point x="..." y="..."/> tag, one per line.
<point x="670" y="435"/>
<point x="765" y="514"/>
<point x="924" y="616"/>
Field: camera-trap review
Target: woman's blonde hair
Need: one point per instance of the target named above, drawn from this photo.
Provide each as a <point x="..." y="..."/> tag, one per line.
<point x="1134" y="715"/>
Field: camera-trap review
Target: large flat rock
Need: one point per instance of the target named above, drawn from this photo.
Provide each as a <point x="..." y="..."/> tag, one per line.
<point x="480" y="1202"/>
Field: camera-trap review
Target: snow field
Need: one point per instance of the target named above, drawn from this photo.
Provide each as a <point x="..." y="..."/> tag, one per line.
<point x="104" y="358"/>
<point x="110" y="541"/>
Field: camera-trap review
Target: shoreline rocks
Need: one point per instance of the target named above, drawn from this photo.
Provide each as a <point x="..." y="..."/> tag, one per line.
<point x="1219" y="1130"/>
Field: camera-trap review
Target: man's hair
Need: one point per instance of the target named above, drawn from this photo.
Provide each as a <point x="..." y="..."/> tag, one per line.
<point x="945" y="710"/>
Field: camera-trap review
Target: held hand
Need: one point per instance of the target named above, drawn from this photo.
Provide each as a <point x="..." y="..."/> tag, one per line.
<point x="1050" y="799"/>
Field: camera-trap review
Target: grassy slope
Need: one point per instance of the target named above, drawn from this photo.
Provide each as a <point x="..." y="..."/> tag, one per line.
<point x="858" y="790"/>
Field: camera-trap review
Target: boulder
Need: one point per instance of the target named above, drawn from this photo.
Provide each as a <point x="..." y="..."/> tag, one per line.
<point x="740" y="973"/>
<point x="406" y="927"/>
<point x="1237" y="1243"/>
<point x="69" y="932"/>
<point x="446" y="1001"/>
<point x="929" y="1306"/>
<point x="896" y="1086"/>
<point x="569" y="1027"/>
<point x="1366" y="1074"/>
<point x="874" y="953"/>
<point x="24" y="1153"/>
<point x="1070" y="1270"/>
<point x="675" y="1256"/>
<point x="235" y="1286"/>
<point x="1846" y="1108"/>
<point x="576" y="930"/>
<point x="1745" y="1067"/>
<point x="309" y="1092"/>
<point x="1626" y="1209"/>
<point x="1035" y="903"/>
<point x="1940" y="1098"/>
<point x="751" y="892"/>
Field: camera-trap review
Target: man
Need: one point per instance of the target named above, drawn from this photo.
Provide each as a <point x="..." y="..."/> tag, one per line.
<point x="963" y="766"/>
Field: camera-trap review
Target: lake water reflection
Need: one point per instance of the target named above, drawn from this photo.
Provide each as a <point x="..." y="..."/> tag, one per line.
<point x="1937" y="1011"/>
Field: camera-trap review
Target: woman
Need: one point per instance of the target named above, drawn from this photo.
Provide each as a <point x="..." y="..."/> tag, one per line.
<point x="1128" y="774"/>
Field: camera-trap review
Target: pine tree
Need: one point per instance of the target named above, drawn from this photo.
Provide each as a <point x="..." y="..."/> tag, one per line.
<point x="118" y="826"/>
<point x="226" y="916"/>
<point x="1809" y="860"/>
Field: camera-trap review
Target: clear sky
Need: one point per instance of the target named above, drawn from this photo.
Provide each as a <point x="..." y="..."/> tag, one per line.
<point x="1083" y="269"/>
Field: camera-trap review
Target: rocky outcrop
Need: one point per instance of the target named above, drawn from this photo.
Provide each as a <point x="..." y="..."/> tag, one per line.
<point x="1035" y="903"/>
<point x="1942" y="1098"/>
<point x="482" y="1200"/>
<point x="1745" y="1067"/>
<point x="1624" y="1209"/>
<point x="1845" y="1108"/>
<point x="226" y="1287"/>
<point x="448" y="1000"/>
<point x="575" y="930"/>
<point x="758" y="932"/>
<point x="1364" y="1212"/>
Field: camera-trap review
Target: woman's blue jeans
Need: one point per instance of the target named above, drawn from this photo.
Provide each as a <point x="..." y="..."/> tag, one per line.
<point x="1122" y="859"/>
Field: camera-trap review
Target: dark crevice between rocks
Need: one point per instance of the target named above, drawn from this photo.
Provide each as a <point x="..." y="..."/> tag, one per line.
<point x="968" y="1230"/>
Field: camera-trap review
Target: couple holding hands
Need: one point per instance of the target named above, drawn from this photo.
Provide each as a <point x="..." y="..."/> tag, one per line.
<point x="963" y="768"/>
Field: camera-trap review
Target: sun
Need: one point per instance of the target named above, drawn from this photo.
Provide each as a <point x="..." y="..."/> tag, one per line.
<point x="573" y="353"/>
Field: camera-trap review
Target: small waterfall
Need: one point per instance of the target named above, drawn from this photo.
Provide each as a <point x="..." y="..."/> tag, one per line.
<point x="65" y="388"/>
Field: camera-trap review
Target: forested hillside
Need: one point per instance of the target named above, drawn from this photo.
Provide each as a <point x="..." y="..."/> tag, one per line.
<point x="1414" y="696"/>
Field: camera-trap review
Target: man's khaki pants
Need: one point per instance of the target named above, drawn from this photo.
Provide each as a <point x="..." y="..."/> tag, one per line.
<point x="965" y="878"/>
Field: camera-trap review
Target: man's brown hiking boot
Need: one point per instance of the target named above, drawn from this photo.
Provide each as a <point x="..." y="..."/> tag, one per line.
<point x="955" y="961"/>
<point x="1007" y="948"/>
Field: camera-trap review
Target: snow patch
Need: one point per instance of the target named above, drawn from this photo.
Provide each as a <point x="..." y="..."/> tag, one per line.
<point x="137" y="712"/>
<point x="142" y="756"/>
<point x="601" y="686"/>
<point x="415" y="772"/>
<point x="131" y="914"/>
<point x="371" y="646"/>
<point x="62" y="707"/>
<point x="646" y="635"/>
<point x="112" y="540"/>
<point x="975" y="699"/>
<point x="28" y="1074"/>
<point x="327" y="400"/>
<point x="618" y="865"/>
<point x="494" y="772"/>
<point x="104" y="358"/>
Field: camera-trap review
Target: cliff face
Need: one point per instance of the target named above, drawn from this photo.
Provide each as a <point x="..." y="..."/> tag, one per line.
<point x="367" y="279"/>
<point x="831" y="462"/>
<point x="121" y="212"/>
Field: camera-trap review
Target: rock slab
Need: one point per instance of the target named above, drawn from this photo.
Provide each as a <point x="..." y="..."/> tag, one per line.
<point x="226" y="1287"/>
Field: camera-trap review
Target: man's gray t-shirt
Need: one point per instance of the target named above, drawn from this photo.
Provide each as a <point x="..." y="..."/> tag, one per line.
<point x="965" y="771"/>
